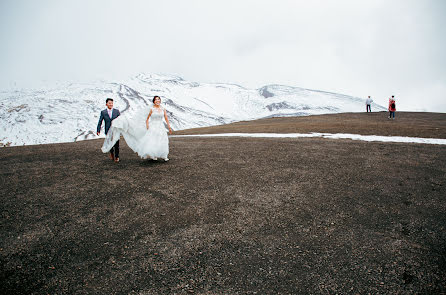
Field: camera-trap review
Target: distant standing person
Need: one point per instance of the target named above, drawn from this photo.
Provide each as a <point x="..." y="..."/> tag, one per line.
<point x="392" y="107"/>
<point x="368" y="103"/>
<point x="108" y="115"/>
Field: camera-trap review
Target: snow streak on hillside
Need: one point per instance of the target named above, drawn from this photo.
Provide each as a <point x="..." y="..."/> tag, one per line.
<point x="70" y="111"/>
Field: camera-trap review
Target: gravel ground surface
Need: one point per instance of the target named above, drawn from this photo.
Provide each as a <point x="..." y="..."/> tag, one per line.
<point x="228" y="216"/>
<point x="430" y="125"/>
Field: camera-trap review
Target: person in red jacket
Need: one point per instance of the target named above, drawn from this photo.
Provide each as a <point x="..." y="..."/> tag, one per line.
<point x="392" y="107"/>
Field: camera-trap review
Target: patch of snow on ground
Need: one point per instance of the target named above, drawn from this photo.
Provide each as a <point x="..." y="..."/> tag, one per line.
<point x="329" y="136"/>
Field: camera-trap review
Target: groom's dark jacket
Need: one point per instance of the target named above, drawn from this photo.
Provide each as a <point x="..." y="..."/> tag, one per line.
<point x="104" y="116"/>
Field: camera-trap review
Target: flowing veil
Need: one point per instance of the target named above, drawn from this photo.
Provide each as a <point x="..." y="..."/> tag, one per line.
<point x="132" y="126"/>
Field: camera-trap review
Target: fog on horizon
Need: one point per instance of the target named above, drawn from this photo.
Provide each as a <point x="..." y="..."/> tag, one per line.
<point x="360" y="48"/>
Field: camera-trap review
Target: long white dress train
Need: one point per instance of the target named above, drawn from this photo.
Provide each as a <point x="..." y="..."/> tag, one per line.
<point x="152" y="143"/>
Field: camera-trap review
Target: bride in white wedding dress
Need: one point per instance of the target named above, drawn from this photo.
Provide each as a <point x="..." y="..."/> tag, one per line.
<point x="148" y="140"/>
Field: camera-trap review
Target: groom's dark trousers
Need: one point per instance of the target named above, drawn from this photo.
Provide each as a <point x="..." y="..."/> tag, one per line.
<point x="106" y="118"/>
<point x="115" y="150"/>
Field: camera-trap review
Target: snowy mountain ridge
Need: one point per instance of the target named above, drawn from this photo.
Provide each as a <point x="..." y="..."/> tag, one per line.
<point x="69" y="112"/>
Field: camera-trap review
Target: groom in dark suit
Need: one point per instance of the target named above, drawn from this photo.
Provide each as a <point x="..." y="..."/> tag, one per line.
<point x="108" y="115"/>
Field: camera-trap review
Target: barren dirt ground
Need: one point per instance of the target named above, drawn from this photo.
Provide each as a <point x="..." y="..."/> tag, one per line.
<point x="229" y="215"/>
<point x="431" y="125"/>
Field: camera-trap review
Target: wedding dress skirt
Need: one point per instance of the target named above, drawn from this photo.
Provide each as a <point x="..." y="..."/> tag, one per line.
<point x="152" y="143"/>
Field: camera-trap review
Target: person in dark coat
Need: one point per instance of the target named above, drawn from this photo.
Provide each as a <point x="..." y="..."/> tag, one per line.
<point x="108" y="115"/>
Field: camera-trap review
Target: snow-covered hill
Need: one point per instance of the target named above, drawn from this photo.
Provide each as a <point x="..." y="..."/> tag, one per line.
<point x="69" y="111"/>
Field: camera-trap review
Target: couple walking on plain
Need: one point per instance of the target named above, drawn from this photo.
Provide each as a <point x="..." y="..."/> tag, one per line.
<point x="144" y="132"/>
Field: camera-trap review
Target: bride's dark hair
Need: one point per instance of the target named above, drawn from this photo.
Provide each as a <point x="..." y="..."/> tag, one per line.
<point x="153" y="100"/>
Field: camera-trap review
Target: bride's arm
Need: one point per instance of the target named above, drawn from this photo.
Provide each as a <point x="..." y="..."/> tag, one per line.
<point x="147" y="120"/>
<point x="167" y="121"/>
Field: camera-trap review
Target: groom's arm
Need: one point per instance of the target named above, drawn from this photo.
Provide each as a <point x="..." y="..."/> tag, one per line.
<point x="101" y="118"/>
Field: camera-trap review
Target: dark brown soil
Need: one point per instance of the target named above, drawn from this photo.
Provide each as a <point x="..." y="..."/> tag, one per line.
<point x="226" y="216"/>
<point x="431" y="125"/>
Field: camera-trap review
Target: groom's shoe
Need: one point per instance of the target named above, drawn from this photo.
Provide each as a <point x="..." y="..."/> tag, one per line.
<point x="112" y="157"/>
<point x="116" y="160"/>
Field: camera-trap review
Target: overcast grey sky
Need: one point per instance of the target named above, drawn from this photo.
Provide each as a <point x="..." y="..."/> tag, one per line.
<point x="356" y="47"/>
